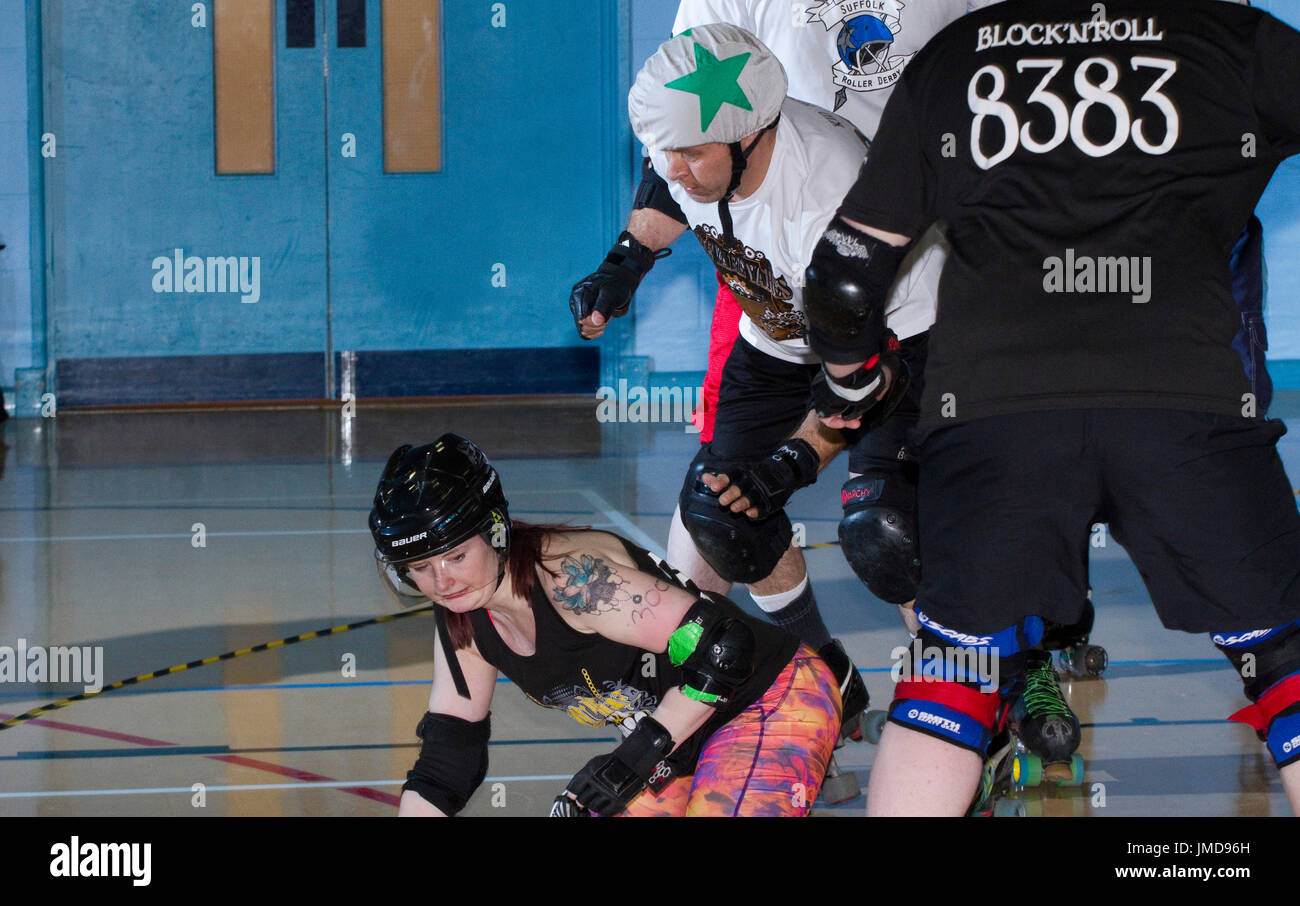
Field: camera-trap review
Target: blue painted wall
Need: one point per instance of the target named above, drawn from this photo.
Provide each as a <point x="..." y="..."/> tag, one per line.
<point x="538" y="171"/>
<point x="674" y="306"/>
<point x="348" y="257"/>
<point x="1279" y="211"/>
<point x="15" y="195"/>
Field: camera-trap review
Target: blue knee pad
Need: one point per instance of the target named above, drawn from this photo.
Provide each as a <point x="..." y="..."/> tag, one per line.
<point x="1005" y="650"/>
<point x="959" y="682"/>
<point x="1268" y="661"/>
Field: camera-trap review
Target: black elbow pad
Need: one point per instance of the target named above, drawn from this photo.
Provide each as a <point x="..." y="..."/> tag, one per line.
<point x="847" y="283"/>
<point x="453" y="760"/>
<point x="653" y="193"/>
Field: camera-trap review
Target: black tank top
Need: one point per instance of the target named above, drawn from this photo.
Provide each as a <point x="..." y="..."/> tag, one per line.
<point x="598" y="681"/>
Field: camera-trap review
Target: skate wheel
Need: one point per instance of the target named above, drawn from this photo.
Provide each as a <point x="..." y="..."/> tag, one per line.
<point x="1076" y="771"/>
<point x="873" y="725"/>
<point x="1027" y="769"/>
<point x="1009" y="808"/>
<point x="1095" y="660"/>
<point x="841" y="788"/>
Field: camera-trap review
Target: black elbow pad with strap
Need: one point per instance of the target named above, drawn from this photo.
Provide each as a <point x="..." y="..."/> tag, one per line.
<point x="453" y="760"/>
<point x="716" y="650"/>
<point x="847" y="283"/>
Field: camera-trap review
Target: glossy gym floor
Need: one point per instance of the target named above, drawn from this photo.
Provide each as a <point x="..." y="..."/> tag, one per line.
<point x="169" y="537"/>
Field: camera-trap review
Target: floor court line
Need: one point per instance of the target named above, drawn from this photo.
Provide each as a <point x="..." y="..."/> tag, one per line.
<point x="234" y="788"/>
<point x="170" y="749"/>
<point x="60" y="754"/>
<point x="364" y="792"/>
<point x="24" y="696"/>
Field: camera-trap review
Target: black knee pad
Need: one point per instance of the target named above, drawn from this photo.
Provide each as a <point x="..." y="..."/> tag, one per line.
<point x="1262" y="657"/>
<point x="738" y="548"/>
<point x="878" y="535"/>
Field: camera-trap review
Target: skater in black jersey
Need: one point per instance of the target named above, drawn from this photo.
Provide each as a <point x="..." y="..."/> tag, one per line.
<point x="1095" y="167"/>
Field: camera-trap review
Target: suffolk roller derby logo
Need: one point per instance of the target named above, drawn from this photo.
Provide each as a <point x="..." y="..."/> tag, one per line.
<point x="764" y="296"/>
<point x="865" y="45"/>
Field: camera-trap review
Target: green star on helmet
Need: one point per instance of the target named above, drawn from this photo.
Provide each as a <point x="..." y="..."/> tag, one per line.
<point x="717" y="82"/>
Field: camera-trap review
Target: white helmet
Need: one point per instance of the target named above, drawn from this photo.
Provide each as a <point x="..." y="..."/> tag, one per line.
<point x="711" y="83"/>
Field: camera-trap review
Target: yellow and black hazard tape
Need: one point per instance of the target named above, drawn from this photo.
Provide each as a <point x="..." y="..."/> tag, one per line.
<point x="179" y="668"/>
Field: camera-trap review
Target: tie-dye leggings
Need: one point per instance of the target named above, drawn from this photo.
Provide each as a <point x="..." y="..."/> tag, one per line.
<point x="769" y="760"/>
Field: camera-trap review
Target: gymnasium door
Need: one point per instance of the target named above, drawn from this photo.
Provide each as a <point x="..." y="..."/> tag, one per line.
<point x="305" y="199"/>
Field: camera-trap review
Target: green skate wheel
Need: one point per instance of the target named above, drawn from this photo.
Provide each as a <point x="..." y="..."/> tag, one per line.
<point x="1009" y="808"/>
<point x="1027" y="769"/>
<point x="873" y="725"/>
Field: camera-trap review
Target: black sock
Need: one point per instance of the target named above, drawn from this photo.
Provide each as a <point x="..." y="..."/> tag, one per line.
<point x="802" y="618"/>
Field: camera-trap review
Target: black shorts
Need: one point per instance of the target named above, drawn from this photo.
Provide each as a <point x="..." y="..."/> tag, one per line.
<point x="884" y="449"/>
<point x="1200" y="502"/>
<point x="761" y="401"/>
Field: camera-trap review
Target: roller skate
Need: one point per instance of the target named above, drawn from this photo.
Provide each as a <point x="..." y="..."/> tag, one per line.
<point x="842" y="786"/>
<point x="1075" y="657"/>
<point x="998" y="795"/>
<point x="1046" y="728"/>
<point x="1036" y="744"/>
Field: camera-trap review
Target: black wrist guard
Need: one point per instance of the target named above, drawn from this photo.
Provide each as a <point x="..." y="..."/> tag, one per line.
<point x="609" y="782"/>
<point x="846" y="285"/>
<point x="609" y="290"/>
<point x="769" y="484"/>
<point x="854" y="395"/>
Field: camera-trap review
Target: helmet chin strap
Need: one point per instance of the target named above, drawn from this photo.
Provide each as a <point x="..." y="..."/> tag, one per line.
<point x="739" y="160"/>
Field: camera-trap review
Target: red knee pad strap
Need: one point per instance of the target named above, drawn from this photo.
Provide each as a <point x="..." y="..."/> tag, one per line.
<point x="949" y="711"/>
<point x="1273" y="702"/>
<point x="983" y="706"/>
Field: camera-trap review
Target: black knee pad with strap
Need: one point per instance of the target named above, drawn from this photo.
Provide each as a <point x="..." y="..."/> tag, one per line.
<point x="878" y="535"/>
<point x="738" y="548"/>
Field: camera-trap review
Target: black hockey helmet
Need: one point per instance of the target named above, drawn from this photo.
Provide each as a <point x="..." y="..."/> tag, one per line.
<point x="432" y="498"/>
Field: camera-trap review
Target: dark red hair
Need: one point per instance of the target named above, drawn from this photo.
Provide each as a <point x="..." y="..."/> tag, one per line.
<point x="526" y="541"/>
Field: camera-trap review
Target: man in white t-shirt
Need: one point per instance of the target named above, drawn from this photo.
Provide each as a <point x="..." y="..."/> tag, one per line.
<point x="757" y="176"/>
<point x="849" y="61"/>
